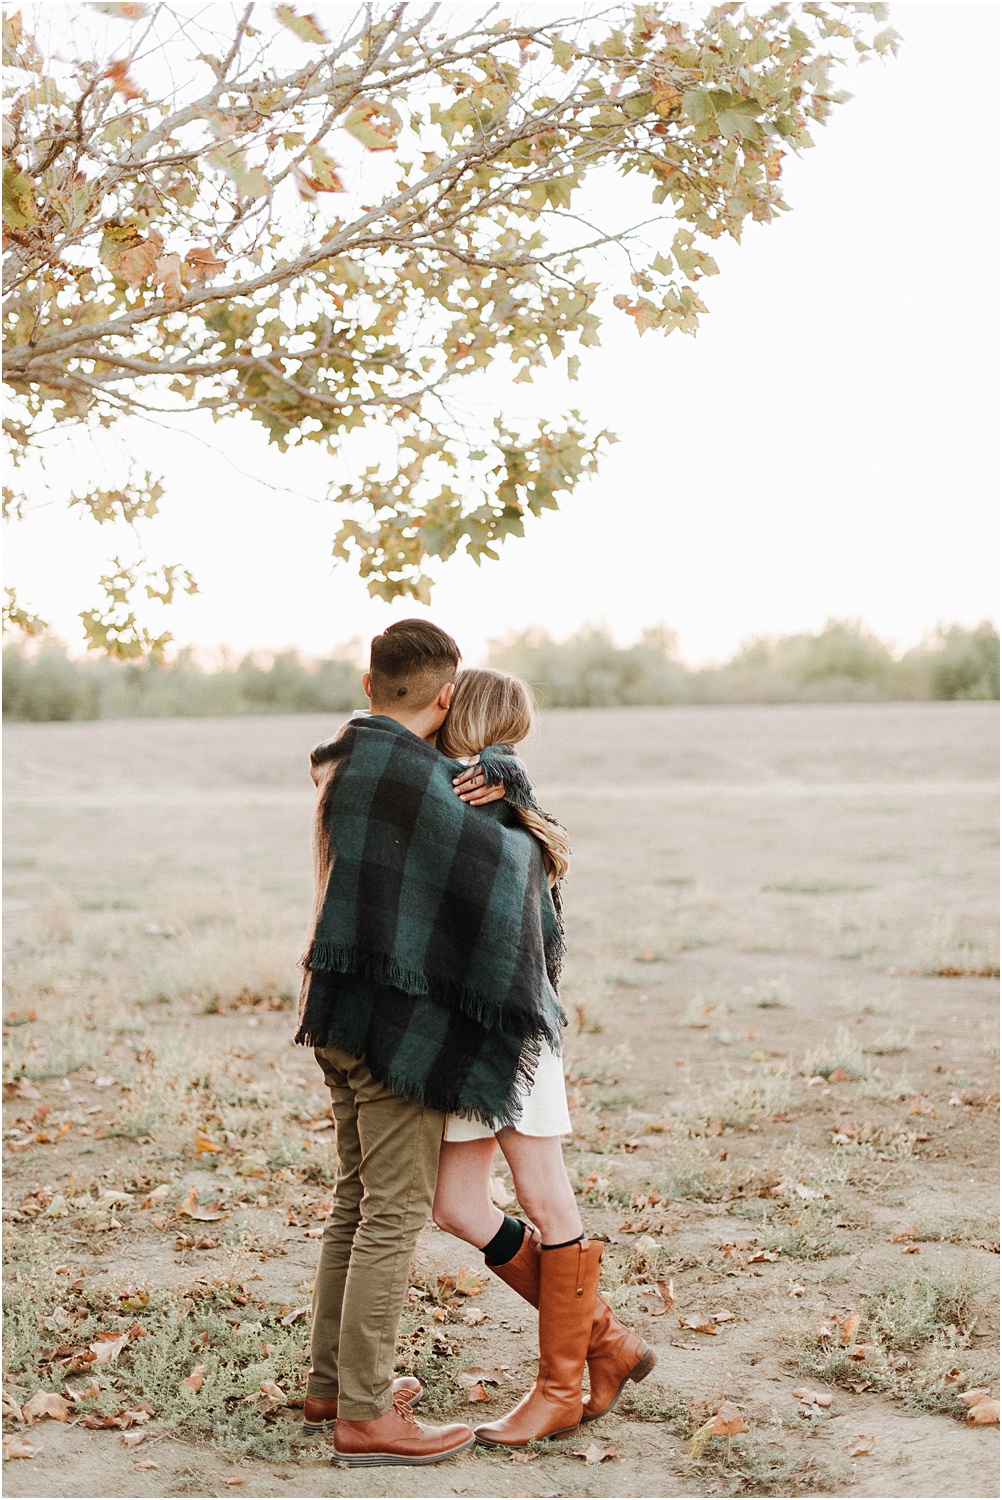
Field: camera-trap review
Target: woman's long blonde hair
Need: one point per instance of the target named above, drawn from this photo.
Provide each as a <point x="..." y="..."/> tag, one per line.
<point x="494" y="708"/>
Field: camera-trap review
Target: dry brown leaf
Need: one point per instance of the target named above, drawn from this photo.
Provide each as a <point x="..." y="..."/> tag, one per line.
<point x="911" y="1250"/>
<point x="723" y="1316"/>
<point x="478" y="1375"/>
<point x="847" y="1329"/>
<point x="473" y="1316"/>
<point x="204" y="1144"/>
<point x="477" y="1393"/>
<point x="167" y="274"/>
<point x="108" y="1346"/>
<point x="838" y="1076"/>
<point x="203" y="264"/>
<point x="699" y="1322"/>
<point x="133" y="1439"/>
<point x="500" y="1194"/>
<point x="728" y="1421"/>
<point x="18" y="1447"/>
<point x="45" y="1404"/>
<point x="118" y="73"/>
<point x="985" y="1414"/>
<point x="761" y="1255"/>
<point x="235" y="1479"/>
<point x="593" y="1454"/>
<point x="904" y="1234"/>
<point x="863" y="1444"/>
<point x="207" y="1215"/>
<point x="138" y="262"/>
<point x="194" y="1380"/>
<point x="290" y="1317"/>
<point x="273" y="1392"/>
<point x="977" y="1394"/>
<point x="144" y="1463"/>
<point x="11" y="1409"/>
<point x="524" y="1456"/>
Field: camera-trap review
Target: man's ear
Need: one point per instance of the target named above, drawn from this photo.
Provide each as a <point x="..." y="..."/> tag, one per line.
<point x="445" y="696"/>
<point x="367" y="686"/>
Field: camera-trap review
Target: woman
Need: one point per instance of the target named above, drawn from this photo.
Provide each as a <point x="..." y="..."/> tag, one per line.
<point x="551" y="1265"/>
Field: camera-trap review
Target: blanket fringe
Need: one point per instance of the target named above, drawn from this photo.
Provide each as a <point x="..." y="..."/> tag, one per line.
<point x="383" y="968"/>
<point x="427" y="1095"/>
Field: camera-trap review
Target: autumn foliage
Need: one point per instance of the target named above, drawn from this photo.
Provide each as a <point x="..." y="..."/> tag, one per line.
<point x="330" y="223"/>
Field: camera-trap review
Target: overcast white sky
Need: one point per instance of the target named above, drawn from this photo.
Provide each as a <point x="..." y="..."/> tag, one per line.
<point x="827" y="445"/>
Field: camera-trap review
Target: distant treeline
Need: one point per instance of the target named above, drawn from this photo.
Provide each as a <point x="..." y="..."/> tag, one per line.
<point x="844" y="663"/>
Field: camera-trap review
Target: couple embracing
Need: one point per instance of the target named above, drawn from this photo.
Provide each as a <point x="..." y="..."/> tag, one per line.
<point x="430" y="998"/>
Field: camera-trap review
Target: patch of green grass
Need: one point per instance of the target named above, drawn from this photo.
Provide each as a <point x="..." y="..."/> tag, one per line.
<point x="657" y="1403"/>
<point x="818" y="886"/>
<point x="812" y="1237"/>
<point x="786" y="1464"/>
<point x="891" y="1041"/>
<point x="693" y="1175"/>
<point x="843" y="1052"/>
<point x="904" y="1312"/>
<point x="241" y="1343"/>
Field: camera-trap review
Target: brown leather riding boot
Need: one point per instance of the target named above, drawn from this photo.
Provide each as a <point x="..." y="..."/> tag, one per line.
<point x="397" y="1437"/>
<point x="320" y="1412"/>
<point x="568" y="1286"/>
<point x="615" y="1353"/>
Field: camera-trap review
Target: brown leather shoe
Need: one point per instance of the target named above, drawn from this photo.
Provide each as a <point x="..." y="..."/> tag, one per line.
<point x="615" y="1354"/>
<point x="320" y="1412"/>
<point x="568" y="1286"/>
<point x="397" y="1437"/>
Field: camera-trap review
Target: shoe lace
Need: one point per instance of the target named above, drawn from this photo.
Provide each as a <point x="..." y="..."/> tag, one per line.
<point x="401" y="1407"/>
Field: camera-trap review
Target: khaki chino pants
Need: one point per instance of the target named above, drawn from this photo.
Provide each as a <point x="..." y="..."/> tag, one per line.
<point x="388" y="1150"/>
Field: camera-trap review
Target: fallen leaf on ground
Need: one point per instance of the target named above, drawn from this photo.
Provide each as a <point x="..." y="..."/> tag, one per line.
<point x="593" y="1454"/>
<point x="985" y="1414"/>
<point x="723" y="1316"/>
<point x="194" y="1380"/>
<point x="133" y="1439"/>
<point x="523" y="1456"/>
<point x="699" y="1322"/>
<point x="17" y="1447"/>
<point x="727" y="1422"/>
<point x="847" y="1329"/>
<point x="838" y="1076"/>
<point x="204" y="1144"/>
<point x="478" y="1375"/>
<point x="45" y="1404"/>
<point x="207" y="1215"/>
<point x="975" y="1395"/>
<point x="477" y="1393"/>
<point x="11" y="1409"/>
<point x="761" y="1255"/>
<point x="863" y="1444"/>
<point x="235" y="1479"/>
<point x="912" y="1250"/>
<point x="500" y="1194"/>
<point x="904" y="1234"/>
<point x="473" y="1316"/>
<point x="290" y="1317"/>
<point x="144" y="1463"/>
<point x="108" y="1346"/>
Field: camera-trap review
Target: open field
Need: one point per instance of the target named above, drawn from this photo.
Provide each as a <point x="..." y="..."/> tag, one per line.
<point x="783" y="1070"/>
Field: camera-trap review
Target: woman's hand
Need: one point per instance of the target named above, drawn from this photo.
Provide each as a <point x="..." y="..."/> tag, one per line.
<point x="471" y="786"/>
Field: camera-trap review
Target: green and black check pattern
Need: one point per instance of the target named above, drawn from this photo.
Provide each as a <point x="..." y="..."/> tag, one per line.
<point x="437" y="944"/>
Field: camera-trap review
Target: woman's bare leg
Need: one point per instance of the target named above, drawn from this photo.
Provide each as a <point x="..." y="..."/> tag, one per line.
<point x="541" y="1184"/>
<point x="463" y="1205"/>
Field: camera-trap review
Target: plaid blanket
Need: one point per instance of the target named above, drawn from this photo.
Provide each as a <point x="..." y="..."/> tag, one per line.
<point x="436" y="945"/>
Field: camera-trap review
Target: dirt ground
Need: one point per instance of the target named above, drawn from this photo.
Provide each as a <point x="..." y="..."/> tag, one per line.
<point x="782" y="1061"/>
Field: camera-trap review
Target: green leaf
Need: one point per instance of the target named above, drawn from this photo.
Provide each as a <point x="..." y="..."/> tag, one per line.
<point x="18" y="197"/>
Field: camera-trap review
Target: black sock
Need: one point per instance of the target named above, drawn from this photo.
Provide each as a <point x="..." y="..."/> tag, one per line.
<point x="564" y="1243"/>
<point x="506" y="1243"/>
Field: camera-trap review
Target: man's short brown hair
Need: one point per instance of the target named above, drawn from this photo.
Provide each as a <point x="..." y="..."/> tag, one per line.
<point x="410" y="663"/>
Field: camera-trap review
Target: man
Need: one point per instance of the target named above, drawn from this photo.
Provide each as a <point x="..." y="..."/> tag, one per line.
<point x="405" y="880"/>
